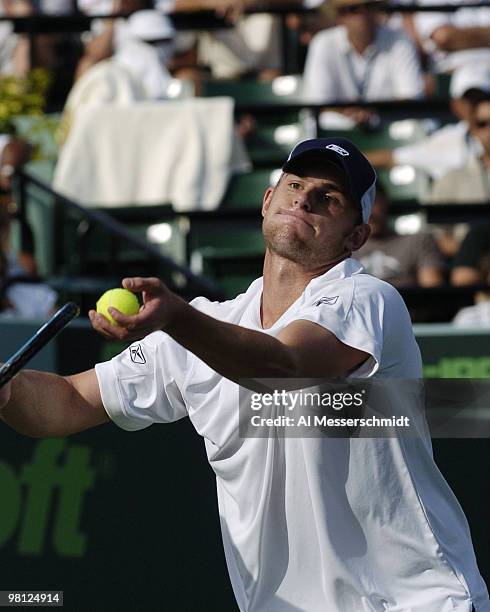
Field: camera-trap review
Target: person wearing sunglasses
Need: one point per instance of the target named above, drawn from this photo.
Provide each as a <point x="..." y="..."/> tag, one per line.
<point x="470" y="183"/>
<point x="361" y="60"/>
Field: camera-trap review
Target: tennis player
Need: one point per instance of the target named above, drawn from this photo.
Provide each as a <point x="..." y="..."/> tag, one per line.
<point x="309" y="524"/>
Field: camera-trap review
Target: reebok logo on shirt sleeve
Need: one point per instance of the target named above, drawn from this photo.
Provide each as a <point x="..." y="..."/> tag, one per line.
<point x="330" y="301"/>
<point x="137" y="355"/>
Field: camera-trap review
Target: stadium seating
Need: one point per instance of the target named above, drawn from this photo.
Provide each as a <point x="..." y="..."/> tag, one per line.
<point x="405" y="185"/>
<point x="284" y="89"/>
<point x="276" y="132"/>
<point x="246" y="190"/>
<point x="387" y="135"/>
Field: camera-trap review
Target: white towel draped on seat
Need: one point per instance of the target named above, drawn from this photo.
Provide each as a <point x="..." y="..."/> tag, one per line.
<point x="181" y="152"/>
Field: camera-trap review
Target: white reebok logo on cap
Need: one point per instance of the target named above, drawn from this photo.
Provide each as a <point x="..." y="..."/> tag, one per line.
<point x="338" y="150"/>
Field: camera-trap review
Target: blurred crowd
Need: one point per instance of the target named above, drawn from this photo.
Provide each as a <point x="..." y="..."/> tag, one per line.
<point x="349" y="51"/>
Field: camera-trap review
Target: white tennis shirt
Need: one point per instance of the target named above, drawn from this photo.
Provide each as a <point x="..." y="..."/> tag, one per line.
<point x="314" y="524"/>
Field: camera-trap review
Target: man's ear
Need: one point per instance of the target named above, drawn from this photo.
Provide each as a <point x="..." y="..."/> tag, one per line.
<point x="359" y="236"/>
<point x="266" y="200"/>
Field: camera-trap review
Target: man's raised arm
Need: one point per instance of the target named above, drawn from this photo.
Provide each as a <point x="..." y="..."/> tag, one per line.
<point x="302" y="349"/>
<point x="43" y="405"/>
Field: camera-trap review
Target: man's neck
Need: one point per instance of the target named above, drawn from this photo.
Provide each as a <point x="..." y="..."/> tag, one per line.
<point x="361" y="42"/>
<point x="284" y="282"/>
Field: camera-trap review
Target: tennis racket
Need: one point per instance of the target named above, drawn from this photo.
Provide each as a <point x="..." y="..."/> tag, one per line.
<point x="39" y="340"/>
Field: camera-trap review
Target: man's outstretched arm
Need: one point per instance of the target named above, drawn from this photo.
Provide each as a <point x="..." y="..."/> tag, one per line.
<point x="302" y="349"/>
<point x="43" y="405"/>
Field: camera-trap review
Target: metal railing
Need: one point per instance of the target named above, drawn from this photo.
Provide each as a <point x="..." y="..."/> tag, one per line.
<point x="179" y="277"/>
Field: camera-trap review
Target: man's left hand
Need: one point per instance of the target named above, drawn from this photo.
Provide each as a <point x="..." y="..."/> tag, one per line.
<point x="158" y="309"/>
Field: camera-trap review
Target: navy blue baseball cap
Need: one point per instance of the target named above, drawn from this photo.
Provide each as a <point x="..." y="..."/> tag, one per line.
<point x="361" y="176"/>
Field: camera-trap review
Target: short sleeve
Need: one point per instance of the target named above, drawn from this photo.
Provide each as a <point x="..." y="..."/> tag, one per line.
<point x="142" y="385"/>
<point x="354" y="317"/>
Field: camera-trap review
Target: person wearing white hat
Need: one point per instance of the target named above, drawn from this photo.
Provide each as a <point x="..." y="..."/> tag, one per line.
<point x="142" y="44"/>
<point x="146" y="50"/>
<point x="150" y="26"/>
<point x="105" y="34"/>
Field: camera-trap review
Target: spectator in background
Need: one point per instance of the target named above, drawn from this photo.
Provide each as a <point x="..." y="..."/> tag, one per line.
<point x="106" y="34"/>
<point x="466" y="266"/>
<point x="453" y="39"/>
<point x="146" y="51"/>
<point x="321" y="16"/>
<point x="14" y="153"/>
<point x="23" y="263"/>
<point x="135" y="70"/>
<point x="361" y="60"/>
<point x="143" y="47"/>
<point x="21" y="292"/>
<point x="471" y="183"/>
<point x="57" y="51"/>
<point x="451" y="146"/>
<point x="404" y="261"/>
<point x="252" y="47"/>
<point x="479" y="314"/>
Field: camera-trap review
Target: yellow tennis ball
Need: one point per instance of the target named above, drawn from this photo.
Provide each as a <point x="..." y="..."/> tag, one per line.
<point x="122" y="299"/>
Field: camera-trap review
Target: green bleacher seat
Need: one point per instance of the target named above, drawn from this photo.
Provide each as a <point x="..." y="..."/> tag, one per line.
<point x="179" y="89"/>
<point x="442" y="83"/>
<point x="405" y="184"/>
<point x="232" y="269"/>
<point x="286" y="89"/>
<point x="387" y="136"/>
<point x="247" y="190"/>
<point x="276" y="133"/>
<point x="238" y="236"/>
<point x="98" y="245"/>
<point x="273" y="139"/>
